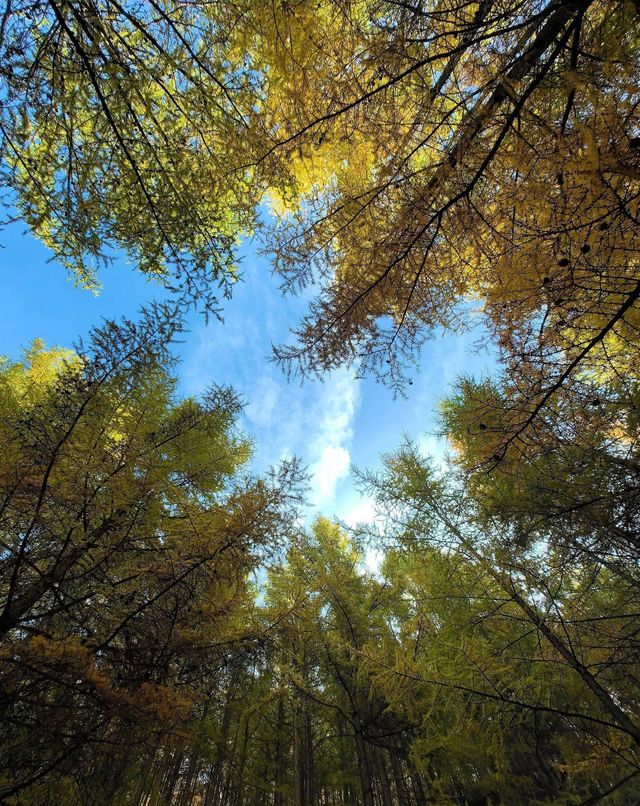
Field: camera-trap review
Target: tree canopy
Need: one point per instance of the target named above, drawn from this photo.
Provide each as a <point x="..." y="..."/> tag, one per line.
<point x="172" y="629"/>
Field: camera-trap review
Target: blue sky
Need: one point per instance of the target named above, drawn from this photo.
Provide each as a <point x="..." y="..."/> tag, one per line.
<point x="331" y="425"/>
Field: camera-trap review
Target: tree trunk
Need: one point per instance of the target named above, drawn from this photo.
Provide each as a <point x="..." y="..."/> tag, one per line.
<point x="278" y="798"/>
<point x="239" y="794"/>
<point x="169" y="784"/>
<point x="383" y="779"/>
<point x="215" y="773"/>
<point x="402" y="793"/>
<point x="146" y="778"/>
<point x="302" y="755"/>
<point x="418" y="788"/>
<point x="191" y="779"/>
<point x="364" y="769"/>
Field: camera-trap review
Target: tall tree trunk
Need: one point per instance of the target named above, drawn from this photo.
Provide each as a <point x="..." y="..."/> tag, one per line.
<point x="191" y="778"/>
<point x="364" y="768"/>
<point x="214" y="786"/>
<point x="383" y="779"/>
<point x="402" y="793"/>
<point x="308" y="740"/>
<point x="278" y="798"/>
<point x="346" y="763"/>
<point x="302" y="755"/>
<point x="210" y="791"/>
<point x="418" y="788"/>
<point x="145" y="782"/>
<point x="169" y="784"/>
<point x="239" y="793"/>
<point x="159" y="774"/>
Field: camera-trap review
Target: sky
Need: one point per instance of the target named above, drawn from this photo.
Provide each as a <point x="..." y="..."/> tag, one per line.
<point x="331" y="425"/>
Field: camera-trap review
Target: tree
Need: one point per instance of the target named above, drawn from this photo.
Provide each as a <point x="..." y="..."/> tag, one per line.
<point x="169" y="632"/>
<point x="128" y="537"/>
<point x="384" y="132"/>
<point x="448" y="152"/>
<point x="512" y="629"/>
<point x="336" y="616"/>
<point x="116" y="122"/>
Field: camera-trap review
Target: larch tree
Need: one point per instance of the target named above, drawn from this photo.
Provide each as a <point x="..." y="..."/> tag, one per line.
<point x="448" y="153"/>
<point x="170" y="632"/>
<point x="560" y="627"/>
<point x="116" y="122"/>
<point x="128" y="538"/>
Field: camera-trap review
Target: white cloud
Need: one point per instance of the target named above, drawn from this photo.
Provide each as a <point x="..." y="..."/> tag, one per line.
<point x="373" y="560"/>
<point x="331" y="424"/>
<point x="362" y="512"/>
<point x="332" y="466"/>
<point x="312" y="420"/>
<point x="336" y="406"/>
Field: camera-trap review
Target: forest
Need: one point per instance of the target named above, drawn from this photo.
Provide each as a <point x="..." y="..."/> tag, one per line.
<point x="180" y="628"/>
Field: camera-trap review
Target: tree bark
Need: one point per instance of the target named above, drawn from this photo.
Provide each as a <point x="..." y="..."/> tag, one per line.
<point x="402" y="793"/>
<point x="278" y="797"/>
<point x="364" y="769"/>
<point x="303" y="755"/>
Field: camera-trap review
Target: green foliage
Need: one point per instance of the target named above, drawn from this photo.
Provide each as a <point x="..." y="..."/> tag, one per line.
<point x="169" y="633"/>
<point x="128" y="539"/>
<point x="116" y="119"/>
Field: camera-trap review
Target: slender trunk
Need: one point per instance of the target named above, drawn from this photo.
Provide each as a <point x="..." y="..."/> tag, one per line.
<point x="383" y="778"/>
<point x="210" y="787"/>
<point x="402" y="794"/>
<point x="418" y="788"/>
<point x="308" y="740"/>
<point x="159" y="774"/>
<point x="364" y="769"/>
<point x="241" y="766"/>
<point x="215" y="774"/>
<point x="169" y="784"/>
<point x="346" y="763"/>
<point x="191" y="779"/>
<point x="303" y="755"/>
<point x="146" y="778"/>
<point x="278" y="798"/>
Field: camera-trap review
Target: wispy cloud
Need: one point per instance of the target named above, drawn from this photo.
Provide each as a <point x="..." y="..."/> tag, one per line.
<point x="328" y="424"/>
<point x="326" y="472"/>
<point x="312" y="420"/>
<point x="332" y="436"/>
<point x="364" y="511"/>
